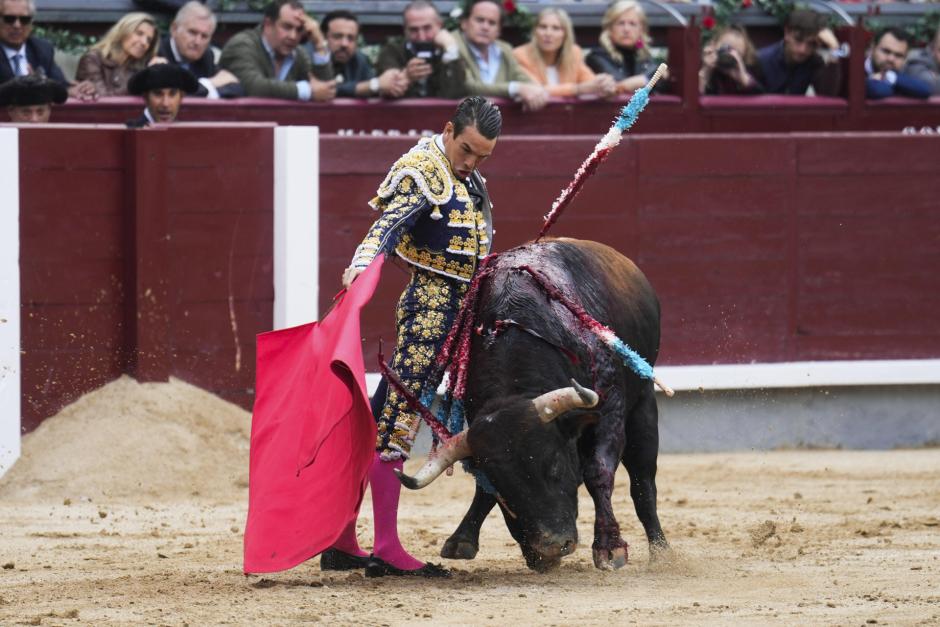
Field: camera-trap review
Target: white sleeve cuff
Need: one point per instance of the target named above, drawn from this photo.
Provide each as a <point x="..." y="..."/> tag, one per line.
<point x="513" y="88"/>
<point x="303" y="90"/>
<point x="321" y="58"/>
<point x="213" y="92"/>
<point x="891" y="76"/>
<point x="451" y="54"/>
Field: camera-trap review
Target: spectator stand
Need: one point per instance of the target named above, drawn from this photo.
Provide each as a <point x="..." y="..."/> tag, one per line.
<point x="679" y="27"/>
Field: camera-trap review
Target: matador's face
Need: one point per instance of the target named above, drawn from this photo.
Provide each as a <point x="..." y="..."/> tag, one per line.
<point x="466" y="151"/>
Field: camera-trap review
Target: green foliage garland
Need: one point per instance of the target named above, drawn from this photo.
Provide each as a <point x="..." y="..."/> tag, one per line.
<point x="64" y="39"/>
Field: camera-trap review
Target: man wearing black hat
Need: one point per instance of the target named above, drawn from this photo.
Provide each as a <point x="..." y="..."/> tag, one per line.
<point x="162" y="85"/>
<point x="28" y="99"/>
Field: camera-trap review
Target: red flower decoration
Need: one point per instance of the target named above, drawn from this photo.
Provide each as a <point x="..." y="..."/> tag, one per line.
<point x="708" y="22"/>
<point x="639" y="44"/>
<point x="746" y="3"/>
<point x="509" y="6"/>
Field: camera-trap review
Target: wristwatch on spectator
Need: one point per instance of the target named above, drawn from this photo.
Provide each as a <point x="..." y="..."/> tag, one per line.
<point x="374" y="85"/>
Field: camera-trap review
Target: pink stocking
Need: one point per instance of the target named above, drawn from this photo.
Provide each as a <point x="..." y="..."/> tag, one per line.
<point x="347" y="543"/>
<point x="385" y="492"/>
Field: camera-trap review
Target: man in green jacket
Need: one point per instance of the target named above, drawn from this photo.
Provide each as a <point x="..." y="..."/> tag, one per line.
<point x="269" y="62"/>
<point x="492" y="70"/>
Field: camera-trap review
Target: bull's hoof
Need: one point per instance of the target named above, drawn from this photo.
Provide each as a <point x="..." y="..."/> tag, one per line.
<point x="459" y="549"/>
<point x="660" y="551"/>
<point x="610" y="559"/>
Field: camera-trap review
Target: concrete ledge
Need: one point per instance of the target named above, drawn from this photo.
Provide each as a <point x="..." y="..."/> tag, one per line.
<point x="860" y="417"/>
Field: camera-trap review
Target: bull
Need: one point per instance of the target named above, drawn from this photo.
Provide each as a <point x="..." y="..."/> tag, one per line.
<point x="534" y="432"/>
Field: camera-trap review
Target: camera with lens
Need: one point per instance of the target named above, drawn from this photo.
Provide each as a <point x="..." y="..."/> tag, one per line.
<point x="726" y="60"/>
<point x="426" y="50"/>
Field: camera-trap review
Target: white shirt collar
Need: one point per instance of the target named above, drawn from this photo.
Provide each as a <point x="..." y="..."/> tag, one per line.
<point x="270" y="50"/>
<point x="11" y="51"/>
<point x="176" y="52"/>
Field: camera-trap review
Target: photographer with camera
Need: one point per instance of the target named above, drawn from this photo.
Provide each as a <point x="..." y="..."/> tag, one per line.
<point x="728" y="62"/>
<point x="428" y="55"/>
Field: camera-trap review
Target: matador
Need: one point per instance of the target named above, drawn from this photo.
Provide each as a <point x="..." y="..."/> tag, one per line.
<point x="436" y="216"/>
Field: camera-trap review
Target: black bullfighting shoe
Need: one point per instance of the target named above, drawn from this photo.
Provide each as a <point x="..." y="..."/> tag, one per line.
<point x="378" y="567"/>
<point x="334" y="559"/>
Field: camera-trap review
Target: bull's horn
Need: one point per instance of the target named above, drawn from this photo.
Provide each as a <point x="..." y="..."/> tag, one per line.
<point x="453" y="450"/>
<point x="552" y="404"/>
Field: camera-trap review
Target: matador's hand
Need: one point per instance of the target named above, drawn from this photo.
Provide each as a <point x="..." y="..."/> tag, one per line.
<point x="350" y="274"/>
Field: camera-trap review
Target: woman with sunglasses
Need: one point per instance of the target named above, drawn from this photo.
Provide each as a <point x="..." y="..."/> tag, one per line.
<point x="128" y="47"/>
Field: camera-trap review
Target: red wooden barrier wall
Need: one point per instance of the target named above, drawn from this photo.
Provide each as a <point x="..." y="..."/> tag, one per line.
<point x="147" y="252"/>
<point x="763" y="248"/>
<point x="151" y="251"/>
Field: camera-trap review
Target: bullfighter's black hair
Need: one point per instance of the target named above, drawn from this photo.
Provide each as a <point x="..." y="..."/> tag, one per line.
<point x="479" y="112"/>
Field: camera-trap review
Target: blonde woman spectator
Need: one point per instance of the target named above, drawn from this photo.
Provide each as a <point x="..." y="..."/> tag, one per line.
<point x="127" y="48"/>
<point x="552" y="59"/>
<point x="624" y="51"/>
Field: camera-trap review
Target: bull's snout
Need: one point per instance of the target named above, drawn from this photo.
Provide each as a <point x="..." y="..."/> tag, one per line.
<point x="546" y="551"/>
<point x="555" y="548"/>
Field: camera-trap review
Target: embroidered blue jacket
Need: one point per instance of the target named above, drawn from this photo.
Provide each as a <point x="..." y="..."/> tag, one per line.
<point x="430" y="218"/>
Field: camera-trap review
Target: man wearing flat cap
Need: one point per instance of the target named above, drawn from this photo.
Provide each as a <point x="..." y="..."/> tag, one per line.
<point x="162" y="85"/>
<point x="28" y="99"/>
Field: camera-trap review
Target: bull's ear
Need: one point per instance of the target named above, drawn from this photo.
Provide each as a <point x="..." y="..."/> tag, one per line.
<point x="573" y="422"/>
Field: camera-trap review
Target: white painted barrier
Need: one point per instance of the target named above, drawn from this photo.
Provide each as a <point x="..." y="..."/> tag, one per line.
<point x="10" y="384"/>
<point x="296" y="224"/>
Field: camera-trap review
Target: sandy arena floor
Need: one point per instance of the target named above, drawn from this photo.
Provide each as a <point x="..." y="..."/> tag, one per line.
<point x="128" y="508"/>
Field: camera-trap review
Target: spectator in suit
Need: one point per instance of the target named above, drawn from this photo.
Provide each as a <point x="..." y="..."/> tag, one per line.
<point x="492" y="70"/>
<point x="162" y="85"/>
<point x="269" y="62"/>
<point x="729" y="62"/>
<point x="354" y="74"/>
<point x="29" y="99"/>
<point x="188" y="45"/>
<point x="883" y="67"/>
<point x="624" y="52"/>
<point x="128" y="47"/>
<point x="24" y="54"/>
<point x="802" y="58"/>
<point x="924" y="64"/>
<point x="553" y="60"/>
<point x="428" y="54"/>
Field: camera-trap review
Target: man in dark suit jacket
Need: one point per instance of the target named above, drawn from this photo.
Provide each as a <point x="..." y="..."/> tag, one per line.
<point x="23" y="54"/>
<point x="268" y="62"/>
<point x="791" y="65"/>
<point x="187" y="45"/>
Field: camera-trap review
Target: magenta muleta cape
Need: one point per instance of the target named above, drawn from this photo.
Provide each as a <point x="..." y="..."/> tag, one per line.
<point x="312" y="435"/>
